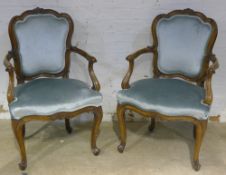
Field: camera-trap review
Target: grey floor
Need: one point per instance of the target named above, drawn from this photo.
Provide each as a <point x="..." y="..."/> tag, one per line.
<point x="51" y="151"/>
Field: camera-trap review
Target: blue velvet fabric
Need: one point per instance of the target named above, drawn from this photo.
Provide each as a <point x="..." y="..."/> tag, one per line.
<point x="46" y="96"/>
<point x="182" y="43"/>
<point x="171" y="97"/>
<point x="42" y="43"/>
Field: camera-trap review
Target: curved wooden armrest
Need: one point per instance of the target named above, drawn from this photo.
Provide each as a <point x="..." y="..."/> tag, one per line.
<point x="208" y="87"/>
<point x="91" y="60"/>
<point x="215" y="64"/>
<point x="10" y="70"/>
<point x="131" y="58"/>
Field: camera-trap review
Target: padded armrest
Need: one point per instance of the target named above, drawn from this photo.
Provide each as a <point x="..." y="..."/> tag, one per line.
<point x="10" y="69"/>
<point x="91" y="60"/>
<point x="131" y="58"/>
<point x="208" y="87"/>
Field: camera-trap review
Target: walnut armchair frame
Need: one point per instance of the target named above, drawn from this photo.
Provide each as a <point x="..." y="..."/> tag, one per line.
<point x="18" y="126"/>
<point x="203" y="80"/>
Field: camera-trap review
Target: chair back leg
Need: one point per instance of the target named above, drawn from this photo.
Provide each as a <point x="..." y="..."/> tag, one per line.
<point x="68" y="126"/>
<point x="152" y="125"/>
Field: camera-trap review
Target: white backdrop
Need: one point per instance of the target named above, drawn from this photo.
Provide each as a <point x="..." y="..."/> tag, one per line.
<point x="110" y="30"/>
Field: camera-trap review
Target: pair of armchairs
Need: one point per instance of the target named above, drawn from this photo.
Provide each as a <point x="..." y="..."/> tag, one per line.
<point x="179" y="90"/>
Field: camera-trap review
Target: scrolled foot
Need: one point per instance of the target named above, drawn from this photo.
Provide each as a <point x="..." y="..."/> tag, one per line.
<point x="22" y="165"/>
<point x="121" y="148"/>
<point x="96" y="151"/>
<point x="196" y="165"/>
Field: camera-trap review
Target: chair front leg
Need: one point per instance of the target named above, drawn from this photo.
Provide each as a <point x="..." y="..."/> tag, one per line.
<point x="68" y="126"/>
<point x="200" y="129"/>
<point x="98" y="115"/>
<point x="19" y="131"/>
<point x="122" y="128"/>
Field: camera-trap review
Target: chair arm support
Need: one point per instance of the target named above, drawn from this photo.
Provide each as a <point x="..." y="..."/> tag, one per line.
<point x="91" y="60"/>
<point x="207" y="84"/>
<point x="131" y="58"/>
<point x="10" y="70"/>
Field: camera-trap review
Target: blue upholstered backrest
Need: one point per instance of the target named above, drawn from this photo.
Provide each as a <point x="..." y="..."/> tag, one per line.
<point x="182" y="44"/>
<point x="41" y="43"/>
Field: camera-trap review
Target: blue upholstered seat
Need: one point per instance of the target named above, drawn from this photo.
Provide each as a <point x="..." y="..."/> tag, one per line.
<point x="171" y="97"/>
<point x="46" y="96"/>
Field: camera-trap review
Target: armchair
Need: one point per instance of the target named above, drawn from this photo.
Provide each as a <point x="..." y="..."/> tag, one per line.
<point x="41" y="48"/>
<point x="181" y="86"/>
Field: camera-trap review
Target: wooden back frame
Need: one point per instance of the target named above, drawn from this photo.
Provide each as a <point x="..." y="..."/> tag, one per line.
<point x="201" y="77"/>
<point x="20" y="76"/>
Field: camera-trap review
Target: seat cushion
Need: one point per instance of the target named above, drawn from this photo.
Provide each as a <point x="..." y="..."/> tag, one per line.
<point x="171" y="97"/>
<point x="48" y="96"/>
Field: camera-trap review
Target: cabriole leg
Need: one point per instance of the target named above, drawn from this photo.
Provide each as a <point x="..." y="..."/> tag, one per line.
<point x="122" y="128"/>
<point x="19" y="134"/>
<point x="200" y="131"/>
<point x="98" y="115"/>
